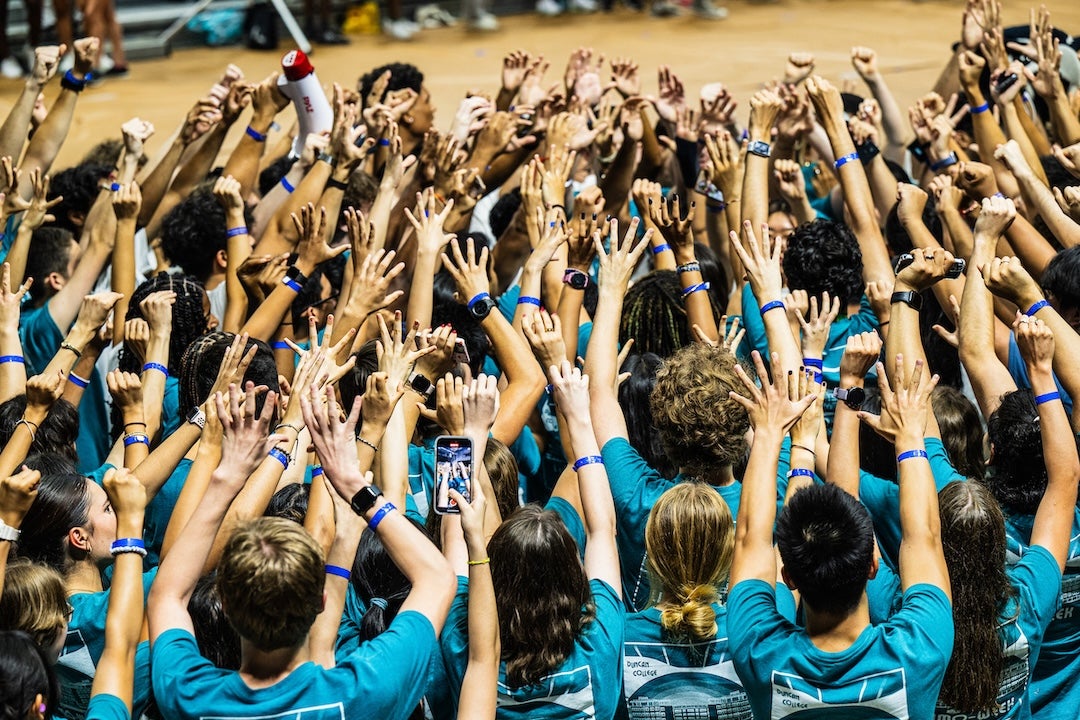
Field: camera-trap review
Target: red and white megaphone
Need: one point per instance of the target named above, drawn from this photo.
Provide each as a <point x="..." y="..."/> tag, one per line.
<point x="300" y="84"/>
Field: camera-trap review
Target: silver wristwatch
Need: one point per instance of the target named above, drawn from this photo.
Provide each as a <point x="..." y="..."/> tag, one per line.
<point x="197" y="417"/>
<point x="8" y="533"/>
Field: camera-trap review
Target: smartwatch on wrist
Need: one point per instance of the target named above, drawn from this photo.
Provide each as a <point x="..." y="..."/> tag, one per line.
<point x="421" y="385"/>
<point x="853" y="397"/>
<point x="576" y="279"/>
<point x="364" y="499"/>
<point x="481" y="307"/>
<point x="759" y="148"/>
<point x="197" y="417"/>
<point x="8" y="533"/>
<point x="909" y="298"/>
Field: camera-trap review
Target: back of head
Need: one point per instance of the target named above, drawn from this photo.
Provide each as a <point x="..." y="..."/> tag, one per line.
<point x="379" y="583"/>
<point x="290" y="503"/>
<point x="540" y="589"/>
<point x="502" y="469"/>
<point x="201" y="361"/>
<point x="62" y="503"/>
<point x="961" y="430"/>
<point x="1061" y="281"/>
<point x="701" y="427"/>
<point x="1017" y="472"/>
<point x="826" y="541"/>
<point x="654" y="316"/>
<point x="50" y="252"/>
<point x="79" y="187"/>
<point x="685" y="519"/>
<point x="24" y="674"/>
<point x="34" y="600"/>
<point x="824" y="256"/>
<point x="55" y="435"/>
<point x="271" y="582"/>
<point x="217" y="640"/>
<point x="973" y="538"/>
<point x="634" y="394"/>
<point x="189" y="317"/>
<point x="193" y="233"/>
<point x="402" y="76"/>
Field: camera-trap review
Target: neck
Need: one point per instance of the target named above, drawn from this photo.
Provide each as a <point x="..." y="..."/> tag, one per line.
<point x="83" y="577"/>
<point x="833" y="633"/>
<point x="214" y="280"/>
<point x="263" y="668"/>
<point x="719" y="477"/>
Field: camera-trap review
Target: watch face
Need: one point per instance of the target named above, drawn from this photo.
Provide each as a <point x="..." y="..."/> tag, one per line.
<point x="481" y="308"/>
<point x="420" y="383"/>
<point x="576" y="279"/>
<point x="855" y="398"/>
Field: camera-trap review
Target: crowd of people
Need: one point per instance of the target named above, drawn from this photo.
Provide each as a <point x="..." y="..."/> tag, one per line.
<point x="767" y="420"/>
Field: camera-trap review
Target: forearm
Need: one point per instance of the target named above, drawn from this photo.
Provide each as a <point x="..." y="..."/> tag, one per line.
<point x="1063" y="119"/>
<point x="569" y="312"/>
<point x="45" y="145"/>
<point x="265" y="212"/>
<point x="238" y="249"/>
<point x="243" y="164"/>
<point x="1031" y="247"/>
<point x="18" y="254"/>
<point x="525" y="380"/>
<point x="1040" y="199"/>
<point x="959" y="232"/>
<point x="264" y="322"/>
<point x="12" y="372"/>
<point x="14" y="130"/>
<point x="754" y="555"/>
<point x="156" y="469"/>
<point x="393" y="457"/>
<point x="155" y="181"/>
<point x="1066" y="345"/>
<point x="81" y="375"/>
<point x="988" y="377"/>
<point x="1016" y="130"/>
<point x="755" y="190"/>
<point x="896" y="129"/>
<point x="134" y="452"/>
<point x="843" y="467"/>
<point x="698" y="303"/>
<point x="18" y="445"/>
<point x="882" y="187"/>
<point x="619" y="178"/>
<point x="195" y="485"/>
<point x="123" y="273"/>
<point x="920" y="523"/>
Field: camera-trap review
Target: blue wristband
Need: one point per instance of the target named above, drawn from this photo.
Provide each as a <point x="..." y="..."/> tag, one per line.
<point x="12" y="358"/>
<point x="136" y="439"/>
<point x="695" y="288"/>
<point x="382" y="512"/>
<point x="801" y="472"/>
<point x="528" y="300"/>
<point x="1036" y="307"/>
<point x="1047" y="397"/>
<point x="661" y="248"/>
<point x="291" y="284"/>
<point x="384" y="142"/>
<point x="813" y="363"/>
<point x="316" y="471"/>
<point x="979" y="108"/>
<point x="911" y="454"/>
<point x="156" y="366"/>
<point x="771" y="306"/>
<point x="78" y="381"/>
<point x="945" y="162"/>
<point x="588" y="460"/>
<point x="339" y="571"/>
<point x="287" y="185"/>
<point x="842" y="161"/>
<point x="478" y="297"/>
<point x="281" y="345"/>
<point x="279" y="455"/>
<point x="122" y="543"/>
<point x="233" y="232"/>
<point x="255" y="134"/>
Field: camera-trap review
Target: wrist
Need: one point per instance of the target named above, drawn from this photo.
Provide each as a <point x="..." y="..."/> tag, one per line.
<point x="806" y="439"/>
<point x="129" y="524"/>
<point x="909" y="440"/>
<point x="847" y="380"/>
<point x="35" y="414"/>
<point x="1041" y="376"/>
<point x="305" y="266"/>
<point x="12" y="519"/>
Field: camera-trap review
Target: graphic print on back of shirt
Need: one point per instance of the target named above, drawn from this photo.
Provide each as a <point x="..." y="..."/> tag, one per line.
<point x="672" y="682"/>
<point x="333" y="711"/>
<point x="571" y="689"/>
<point x="878" y="696"/>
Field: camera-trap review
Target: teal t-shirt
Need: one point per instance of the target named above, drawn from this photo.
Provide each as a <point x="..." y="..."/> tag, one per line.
<point x="107" y="707"/>
<point x="882" y="499"/>
<point x="1054" y="690"/>
<point x="588" y="684"/>
<point x="635" y="488"/>
<point x="1023" y="623"/>
<point x="160" y="510"/>
<point x="383" y="679"/>
<point x="893" y="670"/>
<point x="667" y="678"/>
<point x="170" y="407"/>
<point x="41" y="338"/>
<point x="82" y="651"/>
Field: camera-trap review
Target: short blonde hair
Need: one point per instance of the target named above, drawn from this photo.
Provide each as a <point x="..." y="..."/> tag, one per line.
<point x="34" y="600"/>
<point x="689" y="543"/>
<point x="271" y="581"/>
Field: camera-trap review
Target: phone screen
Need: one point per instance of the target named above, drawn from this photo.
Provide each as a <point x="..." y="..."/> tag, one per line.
<point x="453" y="470"/>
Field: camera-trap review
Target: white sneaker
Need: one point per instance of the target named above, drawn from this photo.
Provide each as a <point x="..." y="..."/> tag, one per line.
<point x="548" y="8"/>
<point x="10" y="68"/>
<point x="485" y="22"/>
<point x="706" y="9"/>
<point x="584" y="6"/>
<point x="399" y="29"/>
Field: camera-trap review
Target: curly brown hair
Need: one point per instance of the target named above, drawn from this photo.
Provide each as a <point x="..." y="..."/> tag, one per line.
<point x="699" y="424"/>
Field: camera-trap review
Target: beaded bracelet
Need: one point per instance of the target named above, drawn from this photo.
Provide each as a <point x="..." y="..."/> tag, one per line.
<point x="128" y="545"/>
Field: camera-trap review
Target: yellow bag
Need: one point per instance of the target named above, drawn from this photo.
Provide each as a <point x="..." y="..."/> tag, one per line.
<point x="362" y="19"/>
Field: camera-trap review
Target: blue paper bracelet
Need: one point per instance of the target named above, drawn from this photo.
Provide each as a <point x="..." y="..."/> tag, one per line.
<point x="382" y="512"/>
<point x="281" y="345"/>
<point x="841" y="161"/>
<point x="12" y="359"/>
<point x="279" y="455"/>
<point x="695" y="288"/>
<point x="588" y="460"/>
<point x="255" y="134"/>
<point x="339" y="571"/>
<point x="316" y="471"/>
<point x="771" y="306"/>
<point x="1047" y="397"/>
<point x="156" y="366"/>
<point x="136" y="439"/>
<point x="1036" y="307"/>
<point x="233" y="232"/>
<point x="128" y="545"/>
<point x="78" y="381"/>
<point x="663" y="247"/>
<point x="911" y="454"/>
<point x="979" y="108"/>
<point x="287" y="185"/>
<point x="291" y="284"/>
<point x="813" y="363"/>
<point x="528" y="300"/>
<point x="801" y="472"/>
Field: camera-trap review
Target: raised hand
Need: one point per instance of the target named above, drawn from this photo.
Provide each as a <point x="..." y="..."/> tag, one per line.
<point x="905" y="403"/>
<point x="37" y="210"/>
<point x="334" y="438"/>
<point x="571" y="390"/>
<point x="17" y="494"/>
<point x="46" y="63"/>
<point x="625" y="77"/>
<point x="774" y="407"/>
<point x="234" y="364"/>
<point x="469" y="272"/>
<point x="815" y="331"/>
<point x="544" y="333"/>
<point x="42" y="391"/>
<point x="480" y="405"/>
<point x="996" y="217"/>
<point x="672" y="95"/>
<point x="398" y="355"/>
<point x="125" y="389"/>
<point x="227" y="193"/>
<point x="864" y="60"/>
<point x="761" y="260"/>
<point x="94" y="311"/>
<point x="136" y="132"/>
<point x="798" y="67"/>
<point x="246" y="437"/>
<point x="126" y="202"/>
<point x="11" y="300"/>
<point x="1006" y="277"/>
<point x="618" y="263"/>
<point x="724" y="162"/>
<point x="860" y="354"/>
<point x="313" y="250"/>
<point x="86" y="54"/>
<point x="126" y="493"/>
<point x="1035" y="340"/>
<point x="927" y="268"/>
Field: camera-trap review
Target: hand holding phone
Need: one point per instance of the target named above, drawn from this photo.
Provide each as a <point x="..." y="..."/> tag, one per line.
<point x="453" y="470"/>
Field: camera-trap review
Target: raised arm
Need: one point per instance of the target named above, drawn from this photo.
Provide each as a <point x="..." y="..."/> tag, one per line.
<point x="772" y="412"/>
<point x="17" y="494"/>
<point x="1054" y="517"/>
<point x="124" y="621"/>
<point x="12" y="362"/>
<point x="13" y="133"/>
<point x="860" y="354"/>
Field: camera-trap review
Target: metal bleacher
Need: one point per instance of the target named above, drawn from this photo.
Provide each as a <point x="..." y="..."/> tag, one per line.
<point x="146" y="22"/>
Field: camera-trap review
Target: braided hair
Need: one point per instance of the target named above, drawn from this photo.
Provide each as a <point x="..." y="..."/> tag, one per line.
<point x="654" y="316"/>
<point x="189" y="318"/>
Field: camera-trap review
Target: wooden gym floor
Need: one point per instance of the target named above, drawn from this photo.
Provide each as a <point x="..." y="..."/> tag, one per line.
<point x="912" y="40"/>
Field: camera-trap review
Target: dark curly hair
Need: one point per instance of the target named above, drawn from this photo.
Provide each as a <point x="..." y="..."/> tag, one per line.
<point x="193" y="233"/>
<point x="824" y="256"/>
<point x="402" y="75"/>
<point x="201" y="361"/>
<point x="1061" y="279"/>
<point x="701" y="428"/>
<point x="50" y="252"/>
<point x="1017" y="473"/>
<point x="79" y="187"/>
<point x="56" y="434"/>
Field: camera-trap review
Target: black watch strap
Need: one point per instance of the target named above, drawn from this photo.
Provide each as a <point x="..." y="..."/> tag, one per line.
<point x="909" y="298"/>
<point x="364" y="499"/>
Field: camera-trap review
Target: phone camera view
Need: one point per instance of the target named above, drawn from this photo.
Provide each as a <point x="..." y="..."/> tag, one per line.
<point x="453" y="471"/>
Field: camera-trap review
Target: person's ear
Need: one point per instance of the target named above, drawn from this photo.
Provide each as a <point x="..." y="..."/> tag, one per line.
<point x="787" y="579"/>
<point x="222" y="259"/>
<point x="54" y="281"/>
<point x="37" y="708"/>
<point x="875" y="565"/>
<point x="76" y="218"/>
<point x="407" y="119"/>
<point x="79" y="539"/>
